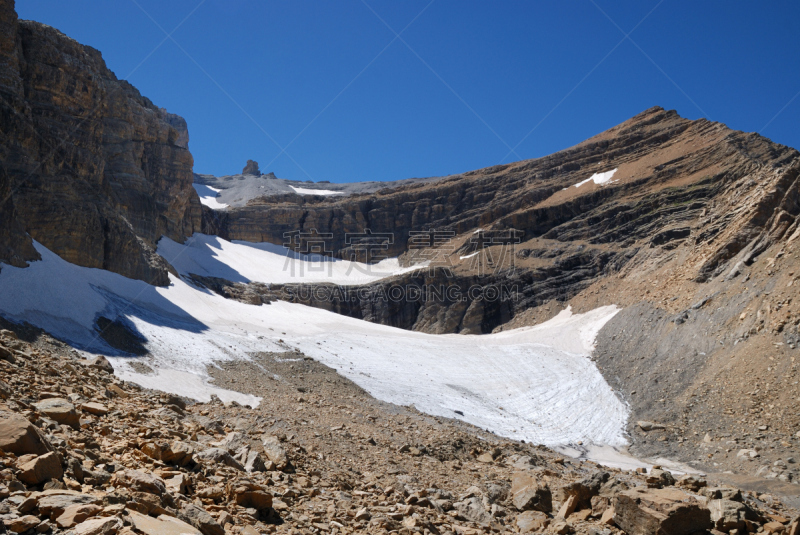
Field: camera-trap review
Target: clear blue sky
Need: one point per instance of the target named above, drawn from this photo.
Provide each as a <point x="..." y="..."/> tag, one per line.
<point x="464" y="83"/>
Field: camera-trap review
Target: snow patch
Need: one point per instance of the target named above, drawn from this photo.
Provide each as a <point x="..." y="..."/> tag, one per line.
<point x="208" y="196"/>
<point x="597" y="178"/>
<point x="307" y="191"/>
<point x="468" y="256"/>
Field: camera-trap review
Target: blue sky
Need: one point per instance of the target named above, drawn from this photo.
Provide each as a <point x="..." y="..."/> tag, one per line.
<point x="328" y="91"/>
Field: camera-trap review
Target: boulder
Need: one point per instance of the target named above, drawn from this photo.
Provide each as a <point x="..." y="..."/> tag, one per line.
<point x="527" y="493"/>
<point x="75" y="514"/>
<point x="179" y="453"/>
<point x="658" y="478"/>
<point x="163" y="525"/>
<point x="199" y="518"/>
<point x="472" y="509"/>
<point x="20" y="437"/>
<point x="40" y="469"/>
<point x="21" y="524"/>
<point x="219" y="455"/>
<point x="233" y="442"/>
<point x="53" y="503"/>
<point x="100" y="363"/>
<point x="258" y="499"/>
<point x="254" y="462"/>
<point x="644" y="511"/>
<point x="99" y="526"/>
<point x="98" y="409"/>
<point x="141" y="481"/>
<point x="729" y="514"/>
<point x="567" y="508"/>
<point x="275" y="452"/>
<point x="583" y="490"/>
<point x="532" y="521"/>
<point x="60" y="410"/>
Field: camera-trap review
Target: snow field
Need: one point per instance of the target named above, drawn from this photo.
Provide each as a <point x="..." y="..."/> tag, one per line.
<point x="536" y="383"/>
<point x="208" y="196"/>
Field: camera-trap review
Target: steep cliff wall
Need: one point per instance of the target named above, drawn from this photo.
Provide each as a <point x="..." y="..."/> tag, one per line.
<point x="93" y="170"/>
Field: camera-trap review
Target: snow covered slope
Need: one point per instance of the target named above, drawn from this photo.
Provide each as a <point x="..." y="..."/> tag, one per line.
<point x="208" y="196"/>
<point x="241" y="261"/>
<point x="535" y="383"/>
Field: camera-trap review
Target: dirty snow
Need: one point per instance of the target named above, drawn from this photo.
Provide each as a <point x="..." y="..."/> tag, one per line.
<point x="208" y="196"/>
<point x="307" y="191"/>
<point x="534" y="383"/>
<point x="598" y="178"/>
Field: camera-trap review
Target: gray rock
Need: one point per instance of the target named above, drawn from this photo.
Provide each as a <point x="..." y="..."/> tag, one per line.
<point x="200" y="519"/>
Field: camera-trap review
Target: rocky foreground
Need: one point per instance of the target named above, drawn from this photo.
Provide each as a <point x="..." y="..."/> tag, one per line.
<point x="83" y="452"/>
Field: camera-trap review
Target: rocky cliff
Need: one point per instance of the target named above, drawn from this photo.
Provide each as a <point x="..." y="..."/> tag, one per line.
<point x="91" y="168"/>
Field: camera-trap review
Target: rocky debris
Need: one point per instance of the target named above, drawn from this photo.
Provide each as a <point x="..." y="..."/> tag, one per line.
<point x="331" y="461"/>
<point x="646" y="511"/>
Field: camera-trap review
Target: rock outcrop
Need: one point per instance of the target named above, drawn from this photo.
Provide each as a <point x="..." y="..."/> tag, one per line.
<point x="251" y="168"/>
<point x="92" y="170"/>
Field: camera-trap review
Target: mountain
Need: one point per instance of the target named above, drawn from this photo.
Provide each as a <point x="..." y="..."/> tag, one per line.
<point x="693" y="235"/>
<point x="91" y="168"/>
<point x="633" y="294"/>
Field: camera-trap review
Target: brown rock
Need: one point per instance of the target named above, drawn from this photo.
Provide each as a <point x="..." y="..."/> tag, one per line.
<point x="99" y="526"/>
<point x="774" y="527"/>
<point x="75" y="514"/>
<point x="567" y="508"/>
<point x="98" y="409"/>
<point x="257" y="499"/>
<point x="42" y="468"/>
<point x="163" y="525"/>
<point x="141" y="481"/>
<point x="607" y="519"/>
<point x="527" y="493"/>
<point x="599" y="505"/>
<point x="642" y="511"/>
<point x="101" y="363"/>
<point x="118" y="391"/>
<point x="19" y="436"/>
<point x="22" y="524"/>
<point x="130" y="171"/>
<point x="53" y="503"/>
<point x="728" y="514"/>
<point x="532" y="521"/>
<point x="60" y="410"/>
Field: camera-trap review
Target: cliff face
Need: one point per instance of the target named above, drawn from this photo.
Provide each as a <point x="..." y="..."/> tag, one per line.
<point x="92" y="170"/>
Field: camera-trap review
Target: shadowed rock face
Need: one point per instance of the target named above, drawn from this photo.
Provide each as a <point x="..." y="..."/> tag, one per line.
<point x="91" y="169"/>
